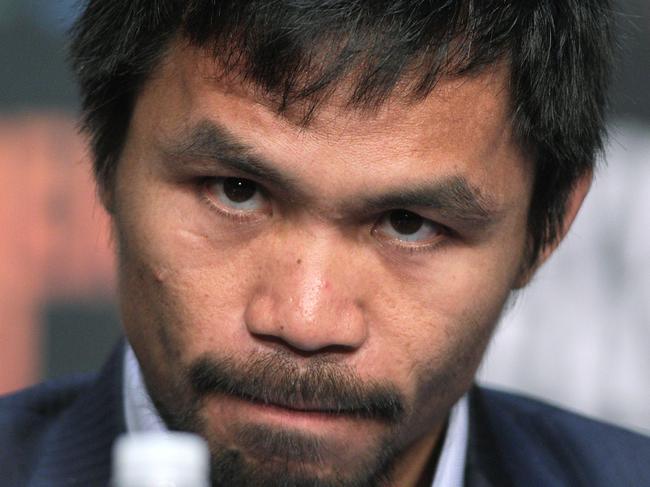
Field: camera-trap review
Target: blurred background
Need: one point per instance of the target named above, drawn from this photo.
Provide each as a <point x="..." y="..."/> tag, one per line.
<point x="579" y="336"/>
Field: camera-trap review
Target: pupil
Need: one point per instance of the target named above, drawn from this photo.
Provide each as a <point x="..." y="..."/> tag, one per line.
<point x="239" y="190"/>
<point x="405" y="222"/>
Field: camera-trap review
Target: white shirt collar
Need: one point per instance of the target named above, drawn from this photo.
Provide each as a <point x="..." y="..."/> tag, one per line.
<point x="139" y="412"/>
<point x="450" y="471"/>
<point x="141" y="415"/>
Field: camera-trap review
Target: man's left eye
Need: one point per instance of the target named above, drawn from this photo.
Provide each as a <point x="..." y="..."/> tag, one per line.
<point x="238" y="194"/>
<point x="406" y="226"/>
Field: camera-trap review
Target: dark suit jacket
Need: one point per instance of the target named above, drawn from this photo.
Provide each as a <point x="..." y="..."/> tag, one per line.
<point x="60" y="434"/>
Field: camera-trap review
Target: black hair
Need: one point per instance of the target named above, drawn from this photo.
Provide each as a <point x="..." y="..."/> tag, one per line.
<point x="558" y="53"/>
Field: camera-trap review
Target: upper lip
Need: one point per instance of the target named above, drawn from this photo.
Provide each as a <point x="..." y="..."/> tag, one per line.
<point x="299" y="406"/>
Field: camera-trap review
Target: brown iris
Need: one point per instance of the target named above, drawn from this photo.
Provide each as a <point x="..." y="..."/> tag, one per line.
<point x="239" y="190"/>
<point x="405" y="222"/>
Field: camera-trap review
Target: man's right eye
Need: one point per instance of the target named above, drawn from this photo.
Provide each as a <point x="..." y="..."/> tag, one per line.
<point x="236" y="196"/>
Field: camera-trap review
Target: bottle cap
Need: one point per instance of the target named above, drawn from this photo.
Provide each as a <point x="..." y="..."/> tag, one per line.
<point x="160" y="459"/>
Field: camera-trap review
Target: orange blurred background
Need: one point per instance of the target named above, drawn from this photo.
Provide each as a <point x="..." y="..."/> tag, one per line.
<point x="55" y="242"/>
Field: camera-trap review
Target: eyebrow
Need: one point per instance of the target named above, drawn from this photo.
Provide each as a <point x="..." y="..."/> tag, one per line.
<point x="452" y="197"/>
<point x="212" y="142"/>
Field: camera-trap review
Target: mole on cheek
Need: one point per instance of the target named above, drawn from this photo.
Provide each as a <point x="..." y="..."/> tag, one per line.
<point x="159" y="274"/>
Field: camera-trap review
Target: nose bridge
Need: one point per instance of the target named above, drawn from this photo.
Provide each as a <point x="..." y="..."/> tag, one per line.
<point x="310" y="302"/>
<point x="309" y="294"/>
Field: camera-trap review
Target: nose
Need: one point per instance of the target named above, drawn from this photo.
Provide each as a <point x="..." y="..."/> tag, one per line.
<point x="308" y="297"/>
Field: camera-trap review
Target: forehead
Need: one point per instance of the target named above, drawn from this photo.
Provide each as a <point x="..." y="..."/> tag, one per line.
<point x="463" y="126"/>
<point x="455" y="101"/>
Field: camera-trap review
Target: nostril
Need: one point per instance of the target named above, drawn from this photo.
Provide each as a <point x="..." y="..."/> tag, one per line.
<point x="281" y="345"/>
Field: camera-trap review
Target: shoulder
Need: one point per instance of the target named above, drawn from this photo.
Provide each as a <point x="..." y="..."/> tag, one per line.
<point x="45" y="398"/>
<point x="545" y="419"/>
<point x="27" y="416"/>
<point x="569" y="447"/>
<point x="40" y="403"/>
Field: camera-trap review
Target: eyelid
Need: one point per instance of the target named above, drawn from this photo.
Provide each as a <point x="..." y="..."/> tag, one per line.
<point x="429" y="244"/>
<point x="238" y="215"/>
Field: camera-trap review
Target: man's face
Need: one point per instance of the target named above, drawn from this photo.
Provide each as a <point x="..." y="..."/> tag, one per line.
<point x="313" y="300"/>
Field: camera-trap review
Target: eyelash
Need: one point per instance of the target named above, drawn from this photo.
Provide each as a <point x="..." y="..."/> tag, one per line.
<point x="410" y="249"/>
<point x="238" y="217"/>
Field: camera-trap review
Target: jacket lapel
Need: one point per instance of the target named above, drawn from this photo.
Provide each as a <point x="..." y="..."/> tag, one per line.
<point x="77" y="450"/>
<point x="485" y="466"/>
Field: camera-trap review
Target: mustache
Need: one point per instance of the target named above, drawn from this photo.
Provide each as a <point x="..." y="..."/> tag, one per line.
<point x="276" y="379"/>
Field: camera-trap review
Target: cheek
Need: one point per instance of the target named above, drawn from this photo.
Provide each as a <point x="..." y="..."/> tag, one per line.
<point x="179" y="284"/>
<point x="435" y="334"/>
<point x="437" y="321"/>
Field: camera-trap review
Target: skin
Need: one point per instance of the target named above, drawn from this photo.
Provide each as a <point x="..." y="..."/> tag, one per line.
<point x="310" y="273"/>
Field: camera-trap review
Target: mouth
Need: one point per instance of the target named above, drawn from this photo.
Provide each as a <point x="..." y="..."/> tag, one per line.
<point x="297" y="415"/>
<point x="293" y="414"/>
<point x="301" y="407"/>
<point x="271" y="382"/>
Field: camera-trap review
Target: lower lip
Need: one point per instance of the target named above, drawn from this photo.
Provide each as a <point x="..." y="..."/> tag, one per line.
<point x="259" y="412"/>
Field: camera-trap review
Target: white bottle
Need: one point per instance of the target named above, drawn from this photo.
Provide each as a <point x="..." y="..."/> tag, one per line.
<point x="167" y="459"/>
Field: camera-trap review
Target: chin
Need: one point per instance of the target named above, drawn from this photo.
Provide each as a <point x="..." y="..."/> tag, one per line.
<point x="297" y="466"/>
<point x="295" y="452"/>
